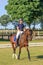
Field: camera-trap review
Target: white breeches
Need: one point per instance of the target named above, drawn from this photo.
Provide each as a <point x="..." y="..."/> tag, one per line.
<point x="18" y="33"/>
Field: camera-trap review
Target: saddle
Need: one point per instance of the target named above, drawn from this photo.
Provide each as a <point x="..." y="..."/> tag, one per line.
<point x="17" y="40"/>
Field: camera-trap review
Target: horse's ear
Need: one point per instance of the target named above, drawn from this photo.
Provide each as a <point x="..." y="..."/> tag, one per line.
<point x="11" y="34"/>
<point x="25" y="30"/>
<point x="31" y="31"/>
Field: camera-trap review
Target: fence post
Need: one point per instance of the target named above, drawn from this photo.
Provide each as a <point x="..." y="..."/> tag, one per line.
<point x="8" y="37"/>
<point x="2" y="36"/>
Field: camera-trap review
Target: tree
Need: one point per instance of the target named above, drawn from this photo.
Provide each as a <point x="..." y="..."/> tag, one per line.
<point x="41" y="18"/>
<point x="25" y="9"/>
<point x="4" y="20"/>
<point x="41" y="22"/>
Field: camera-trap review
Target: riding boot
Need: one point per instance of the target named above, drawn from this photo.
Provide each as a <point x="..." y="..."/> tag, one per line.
<point x="17" y="42"/>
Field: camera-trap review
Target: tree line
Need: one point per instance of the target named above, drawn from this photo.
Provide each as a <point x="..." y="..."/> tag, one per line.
<point x="30" y="10"/>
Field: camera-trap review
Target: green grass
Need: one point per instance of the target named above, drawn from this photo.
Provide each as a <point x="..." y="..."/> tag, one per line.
<point x="4" y="42"/>
<point x="7" y="42"/>
<point x="40" y="40"/>
<point x="35" y="52"/>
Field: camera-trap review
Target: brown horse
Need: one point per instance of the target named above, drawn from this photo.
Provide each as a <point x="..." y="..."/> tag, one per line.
<point x="23" y="42"/>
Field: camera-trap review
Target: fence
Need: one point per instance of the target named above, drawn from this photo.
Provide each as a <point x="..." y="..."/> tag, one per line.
<point x="4" y="34"/>
<point x="38" y="34"/>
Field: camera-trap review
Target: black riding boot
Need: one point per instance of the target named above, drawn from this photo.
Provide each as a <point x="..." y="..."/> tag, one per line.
<point x="17" y="42"/>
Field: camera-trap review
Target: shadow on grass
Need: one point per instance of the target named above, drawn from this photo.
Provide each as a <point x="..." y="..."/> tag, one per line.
<point x="40" y="57"/>
<point x="33" y="58"/>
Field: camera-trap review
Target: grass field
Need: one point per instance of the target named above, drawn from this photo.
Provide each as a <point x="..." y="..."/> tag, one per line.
<point x="8" y="42"/>
<point x="35" y="52"/>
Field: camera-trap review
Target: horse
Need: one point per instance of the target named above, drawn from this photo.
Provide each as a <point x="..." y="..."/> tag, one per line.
<point x="23" y="42"/>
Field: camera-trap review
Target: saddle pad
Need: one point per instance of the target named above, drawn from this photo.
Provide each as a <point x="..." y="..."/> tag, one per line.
<point x="15" y="38"/>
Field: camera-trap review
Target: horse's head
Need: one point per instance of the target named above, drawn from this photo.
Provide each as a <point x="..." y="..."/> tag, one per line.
<point x="29" y="33"/>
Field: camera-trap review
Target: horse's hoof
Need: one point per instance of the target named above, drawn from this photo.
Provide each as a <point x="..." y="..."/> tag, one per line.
<point x="18" y="58"/>
<point x="29" y="59"/>
<point x="13" y="56"/>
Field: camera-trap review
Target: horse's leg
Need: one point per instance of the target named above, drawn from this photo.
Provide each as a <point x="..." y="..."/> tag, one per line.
<point x="28" y="52"/>
<point x="19" y="52"/>
<point x="14" y="51"/>
<point x="14" y="48"/>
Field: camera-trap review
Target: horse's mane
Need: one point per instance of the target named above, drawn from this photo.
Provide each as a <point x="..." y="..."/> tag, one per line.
<point x="12" y="34"/>
<point x="28" y="30"/>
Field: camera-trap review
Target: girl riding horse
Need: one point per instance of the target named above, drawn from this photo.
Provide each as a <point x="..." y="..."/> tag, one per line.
<point x="23" y="42"/>
<point x="20" y="28"/>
